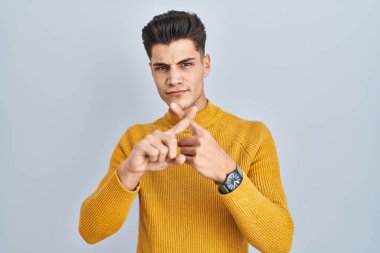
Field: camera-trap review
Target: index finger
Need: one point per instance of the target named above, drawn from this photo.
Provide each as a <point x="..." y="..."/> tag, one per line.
<point x="184" y="123"/>
<point x="179" y="127"/>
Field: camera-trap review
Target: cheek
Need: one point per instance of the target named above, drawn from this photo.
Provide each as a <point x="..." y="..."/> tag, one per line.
<point x="195" y="76"/>
<point x="157" y="78"/>
<point x="160" y="90"/>
<point x="159" y="81"/>
<point x="196" y="80"/>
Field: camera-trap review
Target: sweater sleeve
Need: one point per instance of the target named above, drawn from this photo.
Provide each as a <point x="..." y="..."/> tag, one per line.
<point x="259" y="205"/>
<point x="105" y="210"/>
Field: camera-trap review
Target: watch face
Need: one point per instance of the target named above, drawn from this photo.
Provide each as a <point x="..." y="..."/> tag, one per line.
<point x="233" y="181"/>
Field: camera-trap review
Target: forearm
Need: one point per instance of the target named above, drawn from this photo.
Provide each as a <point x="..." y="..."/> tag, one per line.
<point x="104" y="212"/>
<point x="266" y="225"/>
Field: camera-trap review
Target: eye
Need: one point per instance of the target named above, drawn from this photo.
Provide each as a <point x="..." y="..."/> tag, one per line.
<point x="186" y="64"/>
<point x="161" y="68"/>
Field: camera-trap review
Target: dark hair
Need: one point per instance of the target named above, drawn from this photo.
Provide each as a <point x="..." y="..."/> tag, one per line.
<point x="171" y="26"/>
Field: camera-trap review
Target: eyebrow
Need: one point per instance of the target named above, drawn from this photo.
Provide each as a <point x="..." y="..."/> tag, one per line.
<point x="182" y="61"/>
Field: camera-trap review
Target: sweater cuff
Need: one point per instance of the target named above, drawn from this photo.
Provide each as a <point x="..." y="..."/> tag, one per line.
<point x="118" y="186"/>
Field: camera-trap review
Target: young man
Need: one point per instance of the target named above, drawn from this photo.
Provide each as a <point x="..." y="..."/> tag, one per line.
<point x="207" y="181"/>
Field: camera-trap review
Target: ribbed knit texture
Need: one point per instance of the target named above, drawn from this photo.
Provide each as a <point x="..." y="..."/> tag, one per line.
<point x="183" y="211"/>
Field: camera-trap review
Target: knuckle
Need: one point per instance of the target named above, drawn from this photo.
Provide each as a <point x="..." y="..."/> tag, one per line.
<point x="164" y="150"/>
<point x="138" y="148"/>
<point x="173" y="141"/>
<point x="166" y="137"/>
<point x="148" y="137"/>
<point x="141" y="144"/>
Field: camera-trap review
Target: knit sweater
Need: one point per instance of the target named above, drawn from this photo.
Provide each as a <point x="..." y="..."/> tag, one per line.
<point x="182" y="211"/>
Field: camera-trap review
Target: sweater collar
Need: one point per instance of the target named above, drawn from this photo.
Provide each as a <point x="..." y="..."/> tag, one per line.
<point x="204" y="117"/>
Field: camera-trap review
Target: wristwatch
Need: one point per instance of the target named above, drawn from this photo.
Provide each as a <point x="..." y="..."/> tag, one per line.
<point x="232" y="181"/>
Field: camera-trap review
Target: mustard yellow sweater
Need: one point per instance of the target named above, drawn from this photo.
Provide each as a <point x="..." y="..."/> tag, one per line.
<point x="183" y="211"/>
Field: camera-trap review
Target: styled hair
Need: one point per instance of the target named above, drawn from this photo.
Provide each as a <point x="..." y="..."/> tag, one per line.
<point x="171" y="26"/>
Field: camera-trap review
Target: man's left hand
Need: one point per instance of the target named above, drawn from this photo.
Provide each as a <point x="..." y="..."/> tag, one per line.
<point x="203" y="153"/>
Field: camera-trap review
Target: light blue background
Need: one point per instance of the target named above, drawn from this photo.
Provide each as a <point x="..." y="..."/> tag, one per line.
<point x="74" y="75"/>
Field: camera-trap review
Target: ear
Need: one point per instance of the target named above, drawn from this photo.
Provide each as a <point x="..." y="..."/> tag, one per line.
<point x="206" y="65"/>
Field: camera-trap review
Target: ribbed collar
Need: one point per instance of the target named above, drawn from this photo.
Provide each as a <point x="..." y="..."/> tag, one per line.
<point x="204" y="117"/>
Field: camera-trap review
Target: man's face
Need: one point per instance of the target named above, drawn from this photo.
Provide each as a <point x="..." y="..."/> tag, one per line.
<point x="179" y="67"/>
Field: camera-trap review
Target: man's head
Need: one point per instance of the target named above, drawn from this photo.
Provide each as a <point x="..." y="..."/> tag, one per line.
<point x="175" y="44"/>
<point x="171" y="26"/>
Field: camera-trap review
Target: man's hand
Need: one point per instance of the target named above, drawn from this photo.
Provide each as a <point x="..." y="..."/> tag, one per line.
<point x="203" y="153"/>
<point x="155" y="152"/>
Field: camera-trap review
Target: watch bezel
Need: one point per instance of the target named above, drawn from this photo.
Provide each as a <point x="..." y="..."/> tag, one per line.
<point x="231" y="176"/>
<point x="224" y="186"/>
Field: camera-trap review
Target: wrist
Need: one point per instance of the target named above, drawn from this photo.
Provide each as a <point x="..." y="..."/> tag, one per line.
<point x="128" y="179"/>
<point x="222" y="176"/>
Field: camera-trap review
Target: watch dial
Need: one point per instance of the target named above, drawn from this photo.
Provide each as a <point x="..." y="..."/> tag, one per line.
<point x="233" y="181"/>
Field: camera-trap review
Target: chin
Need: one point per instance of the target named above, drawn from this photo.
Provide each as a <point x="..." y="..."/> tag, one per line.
<point x="184" y="104"/>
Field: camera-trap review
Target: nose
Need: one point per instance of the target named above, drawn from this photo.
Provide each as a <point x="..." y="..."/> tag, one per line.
<point x="174" y="76"/>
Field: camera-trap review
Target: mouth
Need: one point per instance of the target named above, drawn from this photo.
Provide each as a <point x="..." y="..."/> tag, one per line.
<point x="176" y="92"/>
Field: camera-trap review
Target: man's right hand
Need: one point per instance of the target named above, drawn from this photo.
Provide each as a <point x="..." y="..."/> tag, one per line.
<point x="155" y="152"/>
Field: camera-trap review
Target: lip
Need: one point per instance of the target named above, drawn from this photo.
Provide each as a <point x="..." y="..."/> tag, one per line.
<point x="176" y="92"/>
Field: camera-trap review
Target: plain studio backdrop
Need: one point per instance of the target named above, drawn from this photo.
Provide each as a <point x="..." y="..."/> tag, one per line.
<point x="74" y="75"/>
